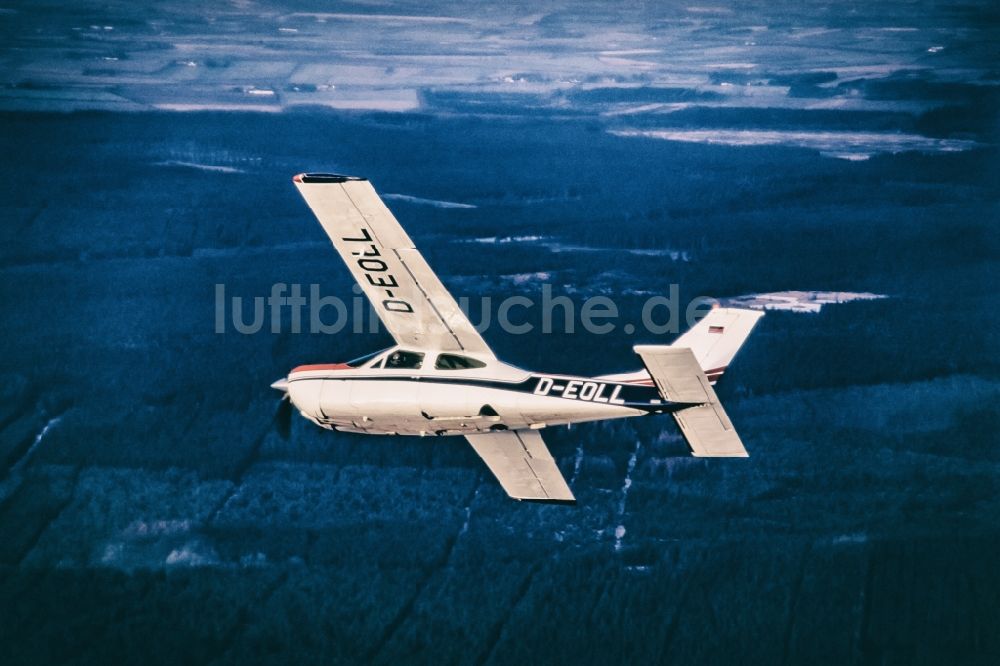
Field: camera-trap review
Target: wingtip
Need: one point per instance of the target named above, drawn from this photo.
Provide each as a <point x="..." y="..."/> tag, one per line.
<point x="547" y="500"/>
<point x="314" y="178"/>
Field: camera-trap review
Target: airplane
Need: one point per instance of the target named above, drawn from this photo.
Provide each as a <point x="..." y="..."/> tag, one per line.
<point x="441" y="378"/>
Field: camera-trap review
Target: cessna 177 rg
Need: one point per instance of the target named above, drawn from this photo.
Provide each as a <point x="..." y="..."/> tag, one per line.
<point x="442" y="379"/>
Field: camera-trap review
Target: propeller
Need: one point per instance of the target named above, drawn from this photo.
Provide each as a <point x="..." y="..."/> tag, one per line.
<point x="283" y="415"/>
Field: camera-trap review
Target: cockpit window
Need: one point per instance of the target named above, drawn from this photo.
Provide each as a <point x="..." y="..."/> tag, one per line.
<point x="361" y="360"/>
<point x="404" y="360"/>
<point x="456" y="362"/>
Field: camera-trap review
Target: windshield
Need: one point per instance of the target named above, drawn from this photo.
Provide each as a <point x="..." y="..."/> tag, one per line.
<point x="361" y="360"/>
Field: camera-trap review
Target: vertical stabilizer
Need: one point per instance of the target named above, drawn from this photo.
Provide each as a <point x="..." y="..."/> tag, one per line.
<point x="715" y="339"/>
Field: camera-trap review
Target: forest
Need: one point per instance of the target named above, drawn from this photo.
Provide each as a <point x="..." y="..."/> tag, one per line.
<point x="151" y="510"/>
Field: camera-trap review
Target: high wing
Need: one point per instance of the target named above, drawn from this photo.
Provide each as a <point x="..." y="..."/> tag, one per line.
<point x="522" y="465"/>
<point x="410" y="300"/>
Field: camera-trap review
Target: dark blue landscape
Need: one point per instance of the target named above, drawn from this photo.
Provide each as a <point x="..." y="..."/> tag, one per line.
<point x="152" y="508"/>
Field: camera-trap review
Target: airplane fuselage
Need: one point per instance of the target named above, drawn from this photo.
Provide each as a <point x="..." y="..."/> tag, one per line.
<point x="460" y="402"/>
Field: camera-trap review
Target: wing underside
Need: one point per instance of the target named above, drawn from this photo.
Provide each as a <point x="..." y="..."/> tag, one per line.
<point x="408" y="297"/>
<point x="523" y="465"/>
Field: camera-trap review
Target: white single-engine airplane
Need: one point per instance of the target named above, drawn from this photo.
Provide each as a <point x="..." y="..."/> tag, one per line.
<point x="442" y="379"/>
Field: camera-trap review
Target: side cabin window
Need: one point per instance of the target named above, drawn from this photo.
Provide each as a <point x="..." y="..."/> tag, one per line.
<point x="456" y="362"/>
<point x="404" y="360"/>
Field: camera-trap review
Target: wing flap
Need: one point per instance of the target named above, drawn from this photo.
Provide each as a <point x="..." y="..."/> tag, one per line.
<point x="523" y="465"/>
<point x="440" y="301"/>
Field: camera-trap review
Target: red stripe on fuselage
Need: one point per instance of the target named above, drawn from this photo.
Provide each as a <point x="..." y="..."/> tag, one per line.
<point x="322" y="366"/>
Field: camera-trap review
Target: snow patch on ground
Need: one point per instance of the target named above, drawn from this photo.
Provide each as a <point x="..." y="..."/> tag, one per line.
<point x="846" y="539"/>
<point x="577" y="462"/>
<point x="852" y="146"/>
<point x="505" y="239"/>
<point x="200" y="167"/>
<point x="673" y="255"/>
<point x="798" y="301"/>
<point x="253" y="561"/>
<point x="425" y="202"/>
<point x="524" y="278"/>
<point x="143" y="528"/>
<point x="620" y="530"/>
<point x="190" y="555"/>
<point x="19" y="465"/>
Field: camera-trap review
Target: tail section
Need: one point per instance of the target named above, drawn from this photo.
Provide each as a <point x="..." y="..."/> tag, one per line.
<point x="685" y="371"/>
<point x="715" y="339"/>
<point x="680" y="379"/>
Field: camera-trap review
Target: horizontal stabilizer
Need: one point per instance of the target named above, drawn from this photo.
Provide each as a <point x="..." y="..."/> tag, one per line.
<point x="709" y="432"/>
<point x="705" y="425"/>
<point x="676" y="373"/>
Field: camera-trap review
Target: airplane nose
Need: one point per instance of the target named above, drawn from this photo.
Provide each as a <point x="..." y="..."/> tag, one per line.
<point x="305" y="396"/>
<point x="281" y="385"/>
